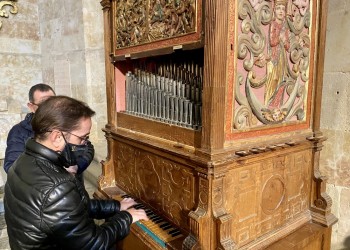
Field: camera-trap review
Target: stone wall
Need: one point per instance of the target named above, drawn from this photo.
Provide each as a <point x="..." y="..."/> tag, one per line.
<point x="63" y="47"/>
<point x="73" y="56"/>
<point x="335" y="157"/>
<point x="20" y="64"/>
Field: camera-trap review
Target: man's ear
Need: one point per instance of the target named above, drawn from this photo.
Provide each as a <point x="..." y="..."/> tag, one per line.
<point x="31" y="107"/>
<point x="56" y="139"/>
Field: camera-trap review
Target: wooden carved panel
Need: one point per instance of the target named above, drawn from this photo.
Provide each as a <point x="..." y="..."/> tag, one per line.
<point x="162" y="184"/>
<point x="142" y="25"/>
<point x="268" y="194"/>
<point x="271" y="71"/>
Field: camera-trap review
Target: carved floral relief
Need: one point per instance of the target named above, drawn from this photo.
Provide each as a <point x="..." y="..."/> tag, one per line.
<point x="138" y="22"/>
<point x="158" y="182"/>
<point x="273" y="58"/>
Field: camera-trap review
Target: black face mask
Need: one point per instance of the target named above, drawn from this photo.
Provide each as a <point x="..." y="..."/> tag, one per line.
<point x="72" y="152"/>
<point x="75" y="154"/>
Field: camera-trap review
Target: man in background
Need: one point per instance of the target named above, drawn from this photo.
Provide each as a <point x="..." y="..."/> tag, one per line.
<point x="20" y="132"/>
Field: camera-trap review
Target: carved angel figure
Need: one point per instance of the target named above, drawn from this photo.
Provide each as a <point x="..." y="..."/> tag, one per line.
<point x="274" y="115"/>
<point x="278" y="46"/>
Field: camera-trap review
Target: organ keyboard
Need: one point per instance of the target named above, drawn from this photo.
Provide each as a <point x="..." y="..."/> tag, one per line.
<point x="159" y="229"/>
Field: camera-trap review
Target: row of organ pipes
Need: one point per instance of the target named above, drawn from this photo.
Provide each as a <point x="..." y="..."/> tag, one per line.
<point x="172" y="95"/>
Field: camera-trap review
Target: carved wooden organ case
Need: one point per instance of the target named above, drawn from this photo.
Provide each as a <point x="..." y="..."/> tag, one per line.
<point x="213" y="120"/>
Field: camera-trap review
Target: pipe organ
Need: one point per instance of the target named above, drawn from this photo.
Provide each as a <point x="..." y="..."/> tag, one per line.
<point x="214" y="122"/>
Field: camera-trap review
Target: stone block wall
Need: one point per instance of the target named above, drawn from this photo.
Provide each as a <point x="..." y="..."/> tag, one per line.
<point x="335" y="119"/>
<point x="73" y="57"/>
<point x="20" y="64"/>
<point x="61" y="44"/>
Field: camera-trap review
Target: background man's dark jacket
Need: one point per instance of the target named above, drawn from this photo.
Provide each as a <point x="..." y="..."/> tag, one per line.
<point x="16" y="140"/>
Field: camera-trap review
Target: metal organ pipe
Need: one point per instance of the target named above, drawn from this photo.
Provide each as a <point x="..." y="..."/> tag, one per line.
<point x="173" y="95"/>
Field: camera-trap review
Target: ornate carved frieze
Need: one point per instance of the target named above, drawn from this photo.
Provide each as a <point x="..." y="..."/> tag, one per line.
<point x="273" y="62"/>
<point x="4" y="12"/>
<point x="155" y="24"/>
<point x="140" y="21"/>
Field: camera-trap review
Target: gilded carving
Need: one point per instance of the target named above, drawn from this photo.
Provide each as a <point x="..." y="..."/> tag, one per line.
<point x="124" y="167"/>
<point x="160" y="183"/>
<point x="203" y="194"/>
<point x="139" y="22"/>
<point x="148" y="177"/>
<point x="3" y="11"/>
<point x="177" y="191"/>
<point x="273" y="62"/>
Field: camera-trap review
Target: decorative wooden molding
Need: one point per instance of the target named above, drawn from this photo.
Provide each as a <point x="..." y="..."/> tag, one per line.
<point x="322" y="202"/>
<point x="3" y="12"/>
<point x="199" y="219"/>
<point x="106" y="4"/>
<point x="107" y="177"/>
<point x="223" y="218"/>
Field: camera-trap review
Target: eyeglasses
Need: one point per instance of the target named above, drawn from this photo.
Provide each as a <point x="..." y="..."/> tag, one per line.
<point x="83" y="139"/>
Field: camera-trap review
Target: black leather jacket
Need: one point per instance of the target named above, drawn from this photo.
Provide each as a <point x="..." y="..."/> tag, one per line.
<point x="48" y="208"/>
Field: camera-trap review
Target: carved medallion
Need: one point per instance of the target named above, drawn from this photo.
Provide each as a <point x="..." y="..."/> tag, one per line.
<point x="272" y="194"/>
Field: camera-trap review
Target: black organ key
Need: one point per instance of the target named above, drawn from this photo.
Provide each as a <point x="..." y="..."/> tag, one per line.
<point x="167" y="227"/>
<point x="158" y="220"/>
<point x="176" y="233"/>
<point x="152" y="216"/>
<point x="173" y="231"/>
<point x="163" y="224"/>
<point x="155" y="218"/>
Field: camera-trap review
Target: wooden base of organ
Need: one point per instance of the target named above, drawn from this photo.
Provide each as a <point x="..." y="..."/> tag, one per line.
<point x="224" y="185"/>
<point x="262" y="200"/>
